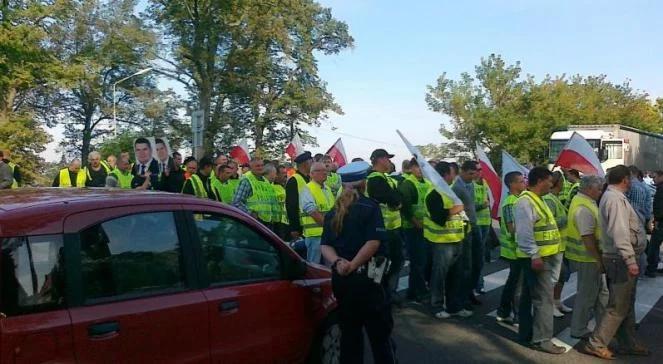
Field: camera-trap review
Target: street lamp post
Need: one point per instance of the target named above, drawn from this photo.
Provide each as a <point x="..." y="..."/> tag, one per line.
<point x="143" y="71"/>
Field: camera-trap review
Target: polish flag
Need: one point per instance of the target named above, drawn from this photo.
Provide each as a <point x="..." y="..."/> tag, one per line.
<point x="509" y="164"/>
<point x="295" y="148"/>
<point x="240" y="152"/>
<point x="337" y="153"/>
<point x="579" y="155"/>
<point x="493" y="179"/>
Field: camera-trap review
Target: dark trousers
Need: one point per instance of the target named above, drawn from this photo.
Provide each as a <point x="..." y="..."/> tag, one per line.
<point x="511" y="292"/>
<point x="416" y="249"/>
<point x="478" y="249"/>
<point x="467" y="284"/>
<point x="395" y="254"/>
<point x="363" y="304"/>
<point x="654" y="248"/>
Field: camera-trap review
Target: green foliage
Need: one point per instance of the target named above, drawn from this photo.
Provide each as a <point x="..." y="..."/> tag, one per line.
<point x="500" y="109"/>
<point x="25" y="139"/>
<point x="250" y="65"/>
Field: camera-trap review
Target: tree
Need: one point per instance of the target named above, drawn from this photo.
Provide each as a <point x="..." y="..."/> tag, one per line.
<point x="27" y="67"/>
<point x="250" y="65"/>
<point x="500" y="109"/>
<point x="101" y="43"/>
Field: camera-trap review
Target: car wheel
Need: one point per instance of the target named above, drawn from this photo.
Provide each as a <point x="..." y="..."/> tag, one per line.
<point x="327" y="347"/>
<point x="330" y="352"/>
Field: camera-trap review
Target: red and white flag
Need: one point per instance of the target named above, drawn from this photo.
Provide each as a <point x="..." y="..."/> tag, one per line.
<point x="295" y="148"/>
<point x="493" y="179"/>
<point x="509" y="164"/>
<point x="240" y="153"/>
<point x="337" y="153"/>
<point x="579" y="155"/>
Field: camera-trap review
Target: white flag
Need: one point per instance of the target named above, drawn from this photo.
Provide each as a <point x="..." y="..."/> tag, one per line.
<point x="509" y="164"/>
<point x="429" y="172"/>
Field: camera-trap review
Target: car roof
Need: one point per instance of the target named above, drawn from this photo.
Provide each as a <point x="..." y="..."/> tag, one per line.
<point x="44" y="209"/>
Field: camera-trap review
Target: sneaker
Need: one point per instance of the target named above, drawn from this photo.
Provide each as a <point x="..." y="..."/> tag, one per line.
<point x="505" y="320"/>
<point x="462" y="313"/>
<point x="557" y="313"/>
<point x="442" y="315"/>
<point x="549" y="347"/>
<point x="564" y="308"/>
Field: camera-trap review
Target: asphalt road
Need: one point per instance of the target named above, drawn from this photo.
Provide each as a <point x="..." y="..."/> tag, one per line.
<point x="420" y="338"/>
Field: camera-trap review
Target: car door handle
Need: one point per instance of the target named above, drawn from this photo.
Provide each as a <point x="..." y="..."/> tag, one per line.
<point x="103" y="330"/>
<point x="228" y="306"/>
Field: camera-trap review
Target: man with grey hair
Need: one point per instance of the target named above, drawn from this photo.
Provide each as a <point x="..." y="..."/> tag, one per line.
<point x="584" y="253"/>
<point x="315" y="201"/>
<point x="95" y="172"/>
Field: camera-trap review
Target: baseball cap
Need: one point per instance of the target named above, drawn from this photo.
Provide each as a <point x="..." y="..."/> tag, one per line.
<point x="380" y="153"/>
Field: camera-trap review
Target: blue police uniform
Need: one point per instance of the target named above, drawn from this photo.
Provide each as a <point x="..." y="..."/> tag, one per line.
<point x="362" y="302"/>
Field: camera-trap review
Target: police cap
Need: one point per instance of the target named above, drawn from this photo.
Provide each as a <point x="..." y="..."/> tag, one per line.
<point x="353" y="172"/>
<point x="303" y="157"/>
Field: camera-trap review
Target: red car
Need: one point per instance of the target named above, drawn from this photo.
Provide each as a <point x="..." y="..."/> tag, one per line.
<point x="116" y="276"/>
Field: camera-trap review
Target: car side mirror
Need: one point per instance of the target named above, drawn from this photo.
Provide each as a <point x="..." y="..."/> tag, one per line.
<point x="294" y="268"/>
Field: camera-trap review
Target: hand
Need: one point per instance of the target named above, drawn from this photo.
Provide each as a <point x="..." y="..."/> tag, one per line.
<point x="633" y="270"/>
<point x="147" y="174"/>
<point x="343" y="267"/>
<point x="537" y="264"/>
<point x="294" y="235"/>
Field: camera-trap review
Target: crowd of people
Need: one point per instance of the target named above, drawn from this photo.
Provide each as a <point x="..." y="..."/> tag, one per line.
<point x="551" y="223"/>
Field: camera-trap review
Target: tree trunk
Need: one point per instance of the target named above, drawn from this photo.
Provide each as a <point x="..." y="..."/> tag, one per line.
<point x="259" y="135"/>
<point x="87" y="139"/>
<point x="205" y="97"/>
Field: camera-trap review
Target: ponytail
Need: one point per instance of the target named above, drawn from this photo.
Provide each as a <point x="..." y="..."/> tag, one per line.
<point x="348" y="196"/>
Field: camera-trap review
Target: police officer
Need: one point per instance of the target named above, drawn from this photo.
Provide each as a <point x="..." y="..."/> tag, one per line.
<point x="351" y="242"/>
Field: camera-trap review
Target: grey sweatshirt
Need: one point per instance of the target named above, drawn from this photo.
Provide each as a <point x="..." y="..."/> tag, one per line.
<point x="623" y="234"/>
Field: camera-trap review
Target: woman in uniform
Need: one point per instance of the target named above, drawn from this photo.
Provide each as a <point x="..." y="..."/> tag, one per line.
<point x="351" y="243"/>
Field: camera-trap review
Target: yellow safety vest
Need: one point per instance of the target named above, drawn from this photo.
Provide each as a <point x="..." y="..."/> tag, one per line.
<point x="419" y="207"/>
<point x="279" y="191"/>
<point x="546" y="234"/>
<point x="453" y="230"/>
<point x="392" y="218"/>
<point x="65" y="181"/>
<point x="480" y="196"/>
<point x="507" y="240"/>
<point x="262" y="199"/>
<point x="324" y="200"/>
<point x="333" y="182"/>
<point x="13" y="166"/>
<point x="575" y="248"/>
<point x="225" y="191"/>
<point x="124" y="180"/>
<point x="558" y="212"/>
<point x="198" y="186"/>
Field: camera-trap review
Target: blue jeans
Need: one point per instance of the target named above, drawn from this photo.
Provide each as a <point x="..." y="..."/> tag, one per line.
<point x="446" y="276"/>
<point x="416" y="250"/>
<point x="313" y="249"/>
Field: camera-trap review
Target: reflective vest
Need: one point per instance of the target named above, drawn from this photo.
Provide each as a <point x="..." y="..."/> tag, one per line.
<point x="392" y="218"/>
<point x="324" y="200"/>
<point x="123" y="180"/>
<point x="453" y="230"/>
<point x="575" y="248"/>
<point x="279" y="191"/>
<point x="198" y="186"/>
<point x="561" y="215"/>
<point x="65" y="181"/>
<point x="546" y="234"/>
<point x="225" y="191"/>
<point x="262" y="199"/>
<point x="301" y="182"/>
<point x="480" y="197"/>
<point x="13" y="166"/>
<point x="572" y="193"/>
<point x="507" y="240"/>
<point x="333" y="182"/>
<point x="418" y="208"/>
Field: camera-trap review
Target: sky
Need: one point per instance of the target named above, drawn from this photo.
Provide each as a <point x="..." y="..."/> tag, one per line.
<point x="403" y="46"/>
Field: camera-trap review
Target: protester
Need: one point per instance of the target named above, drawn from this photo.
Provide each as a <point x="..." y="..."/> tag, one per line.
<point x="95" y="172"/>
<point x="583" y="250"/>
<point x="121" y="174"/>
<point x="6" y="175"/>
<point x="16" y="170"/>
<point x="383" y="189"/>
<point x="191" y="167"/>
<point x="293" y="188"/>
<point x="200" y="183"/>
<point x="111" y="162"/>
<point x="538" y="242"/>
<point x="654" y="247"/>
<point x="333" y="179"/>
<point x="224" y="190"/>
<point x="315" y="200"/>
<point x="177" y="158"/>
<point x="623" y="239"/>
<point x="255" y="194"/>
<point x="71" y="176"/>
<point x="484" y="221"/>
